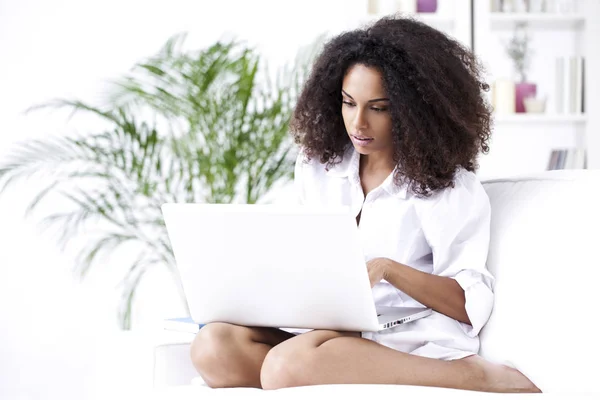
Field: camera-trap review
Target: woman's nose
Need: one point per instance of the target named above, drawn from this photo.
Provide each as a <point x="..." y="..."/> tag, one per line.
<point x="360" y="122"/>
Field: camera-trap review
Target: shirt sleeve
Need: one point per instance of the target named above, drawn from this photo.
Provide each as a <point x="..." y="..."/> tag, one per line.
<point x="457" y="228"/>
<point x="298" y="180"/>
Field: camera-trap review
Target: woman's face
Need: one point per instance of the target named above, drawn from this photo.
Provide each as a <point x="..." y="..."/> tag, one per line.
<point x="365" y="109"/>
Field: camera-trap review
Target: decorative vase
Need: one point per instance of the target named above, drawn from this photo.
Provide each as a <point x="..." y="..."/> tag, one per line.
<point x="523" y="90"/>
<point x="426" y="6"/>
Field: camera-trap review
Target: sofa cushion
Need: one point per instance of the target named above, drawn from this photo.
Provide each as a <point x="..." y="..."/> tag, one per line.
<point x="544" y="253"/>
<point x="194" y="392"/>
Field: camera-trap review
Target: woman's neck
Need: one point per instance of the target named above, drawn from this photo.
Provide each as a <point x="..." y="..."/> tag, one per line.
<point x="376" y="164"/>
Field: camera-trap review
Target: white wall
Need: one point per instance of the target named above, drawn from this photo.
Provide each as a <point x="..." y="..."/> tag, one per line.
<point x="68" y="48"/>
<point x="519" y="147"/>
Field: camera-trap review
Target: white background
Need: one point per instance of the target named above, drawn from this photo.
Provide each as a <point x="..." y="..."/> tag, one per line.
<point x="59" y="338"/>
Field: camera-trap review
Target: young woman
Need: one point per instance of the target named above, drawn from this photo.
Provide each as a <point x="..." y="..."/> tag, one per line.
<point x="390" y="122"/>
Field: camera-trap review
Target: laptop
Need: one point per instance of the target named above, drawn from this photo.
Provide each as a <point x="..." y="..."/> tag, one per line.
<point x="276" y="266"/>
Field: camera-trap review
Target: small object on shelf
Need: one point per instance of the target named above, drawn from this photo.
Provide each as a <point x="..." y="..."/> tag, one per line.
<point x="576" y="84"/>
<point x="561" y="6"/>
<point x="572" y="158"/>
<point x="386" y="7"/>
<point x="536" y="6"/>
<point x="561" y="88"/>
<point x="522" y="91"/>
<point x="407" y="6"/>
<point x="520" y="53"/>
<point x="534" y="105"/>
<point x="569" y="76"/>
<point x="372" y="7"/>
<point x="507" y="6"/>
<point x="520" y="6"/>
<point x="426" y="6"/>
<point x="503" y="99"/>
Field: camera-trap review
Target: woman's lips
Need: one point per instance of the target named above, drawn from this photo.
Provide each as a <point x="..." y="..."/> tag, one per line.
<point x="361" y="140"/>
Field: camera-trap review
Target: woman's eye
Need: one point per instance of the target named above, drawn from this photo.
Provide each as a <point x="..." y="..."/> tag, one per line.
<point x="377" y="109"/>
<point x="348" y="103"/>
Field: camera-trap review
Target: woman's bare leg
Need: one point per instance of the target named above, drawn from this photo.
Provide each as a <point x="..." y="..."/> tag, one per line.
<point x="227" y="355"/>
<point x="329" y="357"/>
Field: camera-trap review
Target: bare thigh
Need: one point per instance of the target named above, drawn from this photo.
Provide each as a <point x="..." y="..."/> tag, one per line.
<point x="227" y="355"/>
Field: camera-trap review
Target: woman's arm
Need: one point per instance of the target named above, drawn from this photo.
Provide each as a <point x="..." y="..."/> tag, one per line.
<point x="439" y="293"/>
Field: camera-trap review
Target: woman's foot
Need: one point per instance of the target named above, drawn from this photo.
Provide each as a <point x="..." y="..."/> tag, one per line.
<point x="501" y="378"/>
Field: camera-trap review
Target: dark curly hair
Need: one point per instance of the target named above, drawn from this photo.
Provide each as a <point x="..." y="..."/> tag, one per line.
<point x="440" y="117"/>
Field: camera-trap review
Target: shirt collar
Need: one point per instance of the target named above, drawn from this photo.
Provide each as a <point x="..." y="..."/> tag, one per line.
<point x="348" y="167"/>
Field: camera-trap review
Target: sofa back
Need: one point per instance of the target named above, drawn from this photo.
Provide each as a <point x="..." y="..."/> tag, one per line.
<point x="545" y="255"/>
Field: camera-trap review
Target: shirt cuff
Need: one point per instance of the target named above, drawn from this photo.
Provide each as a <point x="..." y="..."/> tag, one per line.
<point x="479" y="300"/>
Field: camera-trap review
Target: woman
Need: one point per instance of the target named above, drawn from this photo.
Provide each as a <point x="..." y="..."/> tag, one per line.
<point x="390" y="122"/>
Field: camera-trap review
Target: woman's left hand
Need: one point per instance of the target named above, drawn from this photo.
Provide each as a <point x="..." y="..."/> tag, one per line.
<point x="377" y="269"/>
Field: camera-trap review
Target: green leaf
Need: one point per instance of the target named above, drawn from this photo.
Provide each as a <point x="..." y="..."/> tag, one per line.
<point x="204" y="125"/>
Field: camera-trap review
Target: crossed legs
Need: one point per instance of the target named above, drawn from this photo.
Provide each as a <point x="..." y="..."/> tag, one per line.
<point x="228" y="355"/>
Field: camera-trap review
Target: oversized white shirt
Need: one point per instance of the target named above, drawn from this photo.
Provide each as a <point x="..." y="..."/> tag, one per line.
<point x="446" y="234"/>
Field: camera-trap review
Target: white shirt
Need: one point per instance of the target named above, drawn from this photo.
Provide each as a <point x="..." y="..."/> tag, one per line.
<point x="446" y="234"/>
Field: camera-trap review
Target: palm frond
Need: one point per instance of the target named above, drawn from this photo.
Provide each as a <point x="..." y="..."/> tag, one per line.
<point x="106" y="244"/>
<point x="206" y="125"/>
<point x="130" y="285"/>
<point x="74" y="106"/>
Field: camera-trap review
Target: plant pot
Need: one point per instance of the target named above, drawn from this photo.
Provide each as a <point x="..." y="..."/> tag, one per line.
<point x="523" y="90"/>
<point x="426" y="6"/>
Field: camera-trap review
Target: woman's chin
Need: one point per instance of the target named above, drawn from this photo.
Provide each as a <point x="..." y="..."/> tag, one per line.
<point x="364" y="150"/>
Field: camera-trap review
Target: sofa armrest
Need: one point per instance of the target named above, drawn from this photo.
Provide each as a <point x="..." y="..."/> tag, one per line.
<point x="172" y="363"/>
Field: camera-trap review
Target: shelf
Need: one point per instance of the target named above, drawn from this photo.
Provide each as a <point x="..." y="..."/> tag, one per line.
<point x="540" y="119"/>
<point x="537" y="20"/>
<point x="432" y="19"/>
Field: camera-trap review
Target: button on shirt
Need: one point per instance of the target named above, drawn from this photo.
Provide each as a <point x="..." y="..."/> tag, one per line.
<point x="446" y="234"/>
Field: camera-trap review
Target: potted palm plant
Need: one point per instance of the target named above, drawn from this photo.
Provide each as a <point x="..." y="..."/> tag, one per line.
<point x="206" y="125"/>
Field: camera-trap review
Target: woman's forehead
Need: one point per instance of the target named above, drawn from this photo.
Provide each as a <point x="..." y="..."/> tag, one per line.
<point x="364" y="82"/>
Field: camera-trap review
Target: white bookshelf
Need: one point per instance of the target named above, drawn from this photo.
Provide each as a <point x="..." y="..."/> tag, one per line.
<point x="441" y="22"/>
<point x="452" y="17"/>
<point x="522" y="143"/>
<point x="501" y="20"/>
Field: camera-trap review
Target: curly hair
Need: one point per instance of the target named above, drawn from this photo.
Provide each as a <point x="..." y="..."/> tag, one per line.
<point x="440" y="116"/>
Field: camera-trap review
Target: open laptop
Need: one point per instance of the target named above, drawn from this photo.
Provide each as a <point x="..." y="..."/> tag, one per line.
<point x="276" y="266"/>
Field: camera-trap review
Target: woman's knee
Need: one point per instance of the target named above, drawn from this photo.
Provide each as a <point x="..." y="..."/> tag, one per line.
<point x="285" y="366"/>
<point x="209" y="348"/>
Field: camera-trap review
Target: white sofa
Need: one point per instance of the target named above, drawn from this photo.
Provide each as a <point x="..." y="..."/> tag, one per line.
<point x="545" y="251"/>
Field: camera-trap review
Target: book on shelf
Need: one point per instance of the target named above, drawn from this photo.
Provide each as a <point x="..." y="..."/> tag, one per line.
<point x="573" y="158"/>
<point x="182" y="324"/>
<point x="570" y="82"/>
